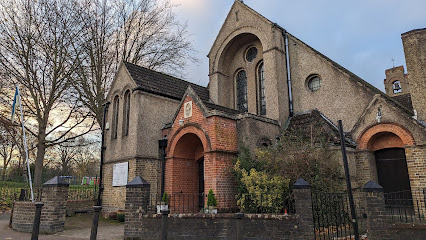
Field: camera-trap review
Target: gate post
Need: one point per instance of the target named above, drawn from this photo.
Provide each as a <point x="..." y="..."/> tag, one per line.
<point x="376" y="212"/>
<point x="54" y="196"/>
<point x="303" y="205"/>
<point x="137" y="202"/>
<point x="164" y="217"/>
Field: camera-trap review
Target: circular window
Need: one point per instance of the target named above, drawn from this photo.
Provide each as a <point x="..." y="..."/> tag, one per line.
<point x="251" y="54"/>
<point x="314" y="83"/>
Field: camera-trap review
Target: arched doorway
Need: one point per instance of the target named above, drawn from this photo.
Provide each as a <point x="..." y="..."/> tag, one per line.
<point x="392" y="171"/>
<point x="185" y="175"/>
<point x="391" y="166"/>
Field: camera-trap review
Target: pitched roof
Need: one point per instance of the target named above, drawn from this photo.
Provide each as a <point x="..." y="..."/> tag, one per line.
<point x="404" y="100"/>
<point x="315" y="127"/>
<point x="162" y="84"/>
<point x="223" y="109"/>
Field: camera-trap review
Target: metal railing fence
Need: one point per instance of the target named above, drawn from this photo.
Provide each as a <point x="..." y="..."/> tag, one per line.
<point x="226" y="203"/>
<point x="406" y="206"/>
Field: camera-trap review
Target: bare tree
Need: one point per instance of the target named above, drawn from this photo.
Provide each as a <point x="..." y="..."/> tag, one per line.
<point x="36" y="52"/>
<point x="9" y="143"/>
<point x="142" y="32"/>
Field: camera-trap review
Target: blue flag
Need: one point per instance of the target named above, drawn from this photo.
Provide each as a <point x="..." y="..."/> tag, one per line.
<point x="14" y="104"/>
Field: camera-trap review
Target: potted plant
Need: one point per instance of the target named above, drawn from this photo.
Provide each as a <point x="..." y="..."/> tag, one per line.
<point x="164" y="205"/>
<point x="120" y="215"/>
<point x="211" y="203"/>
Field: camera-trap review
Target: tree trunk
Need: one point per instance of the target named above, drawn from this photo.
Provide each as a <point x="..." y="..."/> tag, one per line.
<point x="41" y="150"/>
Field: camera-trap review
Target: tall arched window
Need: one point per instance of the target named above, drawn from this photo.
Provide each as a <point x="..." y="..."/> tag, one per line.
<point x="241" y="80"/>
<point x="262" y="94"/>
<point x="115" y="117"/>
<point x="126" y="113"/>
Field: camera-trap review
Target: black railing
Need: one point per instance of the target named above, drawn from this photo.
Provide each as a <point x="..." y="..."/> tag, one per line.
<point x="83" y="192"/>
<point x="332" y="216"/>
<point x="406" y="206"/>
<point x="226" y="203"/>
<point x="267" y="203"/>
<point x="11" y="192"/>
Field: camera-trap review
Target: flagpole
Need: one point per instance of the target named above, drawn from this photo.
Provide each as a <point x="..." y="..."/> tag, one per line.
<point x="25" y="143"/>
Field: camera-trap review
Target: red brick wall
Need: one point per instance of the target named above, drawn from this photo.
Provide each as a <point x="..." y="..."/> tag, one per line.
<point x="213" y="137"/>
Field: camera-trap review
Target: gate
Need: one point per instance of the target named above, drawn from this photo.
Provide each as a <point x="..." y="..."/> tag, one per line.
<point x="332" y="216"/>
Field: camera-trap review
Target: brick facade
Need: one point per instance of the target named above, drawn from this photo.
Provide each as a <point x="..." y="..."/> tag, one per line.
<point x="142" y="225"/>
<point x="53" y="212"/>
<point x="213" y="131"/>
<point x="212" y="139"/>
<point x="415" y="56"/>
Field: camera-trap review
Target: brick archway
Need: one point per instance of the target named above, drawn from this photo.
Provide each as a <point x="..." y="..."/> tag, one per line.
<point x="188" y="129"/>
<point x="392" y="131"/>
<point x="184" y="170"/>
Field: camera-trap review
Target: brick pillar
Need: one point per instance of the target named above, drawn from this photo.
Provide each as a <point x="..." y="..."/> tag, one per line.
<point x="137" y="202"/>
<point x="54" y="197"/>
<point x="377" y="223"/>
<point x="303" y="205"/>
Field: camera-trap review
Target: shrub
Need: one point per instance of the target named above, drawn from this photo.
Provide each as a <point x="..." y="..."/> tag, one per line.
<point x="211" y="199"/>
<point x="264" y="193"/>
<point x="165" y="198"/>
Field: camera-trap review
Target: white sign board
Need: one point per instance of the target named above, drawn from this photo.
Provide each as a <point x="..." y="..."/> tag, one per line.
<point x="119" y="174"/>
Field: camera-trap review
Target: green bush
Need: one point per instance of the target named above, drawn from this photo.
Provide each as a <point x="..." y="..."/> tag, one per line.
<point x="265" y="193"/>
<point x="165" y="198"/>
<point x="211" y="199"/>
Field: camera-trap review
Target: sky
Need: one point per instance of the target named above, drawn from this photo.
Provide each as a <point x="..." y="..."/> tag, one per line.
<point x="364" y="36"/>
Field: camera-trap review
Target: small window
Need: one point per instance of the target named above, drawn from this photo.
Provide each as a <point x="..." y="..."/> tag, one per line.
<point x="314" y="83"/>
<point x="262" y="94"/>
<point x="241" y="80"/>
<point x="251" y="54"/>
<point x="396" y="87"/>
<point x="115" y="117"/>
<point x="126" y="113"/>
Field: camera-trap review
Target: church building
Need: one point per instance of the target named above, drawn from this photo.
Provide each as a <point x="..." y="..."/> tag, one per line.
<point x="262" y="79"/>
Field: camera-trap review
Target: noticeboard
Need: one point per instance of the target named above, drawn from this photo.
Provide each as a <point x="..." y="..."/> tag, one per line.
<point x="120" y="174"/>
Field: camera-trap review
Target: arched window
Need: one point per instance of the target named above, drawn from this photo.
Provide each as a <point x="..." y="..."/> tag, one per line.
<point x="126" y="113"/>
<point x="115" y="117"/>
<point x="396" y="87"/>
<point x="241" y="80"/>
<point x="262" y="94"/>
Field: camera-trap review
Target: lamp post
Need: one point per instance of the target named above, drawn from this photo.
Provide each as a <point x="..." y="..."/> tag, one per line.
<point x="348" y="181"/>
<point x="98" y="206"/>
<point x="101" y="188"/>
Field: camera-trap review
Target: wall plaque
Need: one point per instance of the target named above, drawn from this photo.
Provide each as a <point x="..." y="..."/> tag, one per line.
<point x="120" y="174"/>
<point x="187" y="109"/>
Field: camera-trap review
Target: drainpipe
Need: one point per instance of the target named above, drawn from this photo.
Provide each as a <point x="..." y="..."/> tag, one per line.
<point x="287" y="60"/>
<point x="162" y="144"/>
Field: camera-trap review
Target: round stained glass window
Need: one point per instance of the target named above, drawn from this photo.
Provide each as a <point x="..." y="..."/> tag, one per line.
<point x="251" y="54"/>
<point x="314" y="83"/>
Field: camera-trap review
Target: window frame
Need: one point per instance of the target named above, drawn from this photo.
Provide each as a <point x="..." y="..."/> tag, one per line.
<point x="126" y="113"/>
<point x="115" y="115"/>
<point x="309" y="80"/>
<point x="247" y="52"/>
<point x="260" y="73"/>
<point x="237" y="91"/>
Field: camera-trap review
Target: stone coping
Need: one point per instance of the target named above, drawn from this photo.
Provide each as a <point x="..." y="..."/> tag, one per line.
<point x="224" y="215"/>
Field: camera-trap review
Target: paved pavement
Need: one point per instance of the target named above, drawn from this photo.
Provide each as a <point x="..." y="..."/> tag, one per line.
<point x="76" y="227"/>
